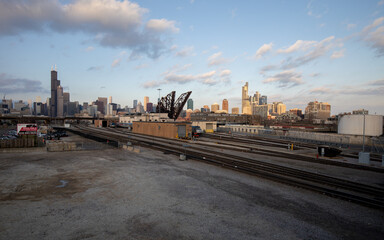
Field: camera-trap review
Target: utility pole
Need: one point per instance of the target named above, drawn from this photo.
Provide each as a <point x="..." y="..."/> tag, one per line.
<point x="364" y="131"/>
<point x="158" y="102"/>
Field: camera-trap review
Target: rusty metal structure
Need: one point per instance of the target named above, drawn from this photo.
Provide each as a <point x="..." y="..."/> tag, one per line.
<point x="173" y="107"/>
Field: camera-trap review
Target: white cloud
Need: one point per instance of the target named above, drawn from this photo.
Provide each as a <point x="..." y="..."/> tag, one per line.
<point x="162" y="25"/>
<point x="116" y="62"/>
<point x="173" y="76"/>
<point x="177" y="68"/>
<point x="380" y="3"/>
<point x="110" y="23"/>
<point x="187" y="51"/>
<point x="225" y="76"/>
<point x="338" y="54"/>
<point x="89" y="49"/>
<point x="217" y="59"/>
<point x="304" y="52"/>
<point x="95" y="68"/>
<point x="288" y="78"/>
<point x="268" y="68"/>
<point x="317" y="8"/>
<point x="314" y="75"/>
<point x="263" y="50"/>
<point x="377" y="83"/>
<point x="225" y="73"/>
<point x="152" y="84"/>
<point x="206" y="75"/>
<point x="10" y="85"/>
<point x="320" y="90"/>
<point x="317" y="50"/>
<point x="373" y="34"/>
<point x="379" y="91"/>
<point x="299" y="45"/>
<point x="141" y="66"/>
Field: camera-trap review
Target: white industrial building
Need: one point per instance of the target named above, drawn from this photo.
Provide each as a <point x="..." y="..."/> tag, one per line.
<point x="354" y="125"/>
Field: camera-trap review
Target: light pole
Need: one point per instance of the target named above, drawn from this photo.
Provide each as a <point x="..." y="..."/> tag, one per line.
<point x="158" y="102"/>
<point x="364" y="131"/>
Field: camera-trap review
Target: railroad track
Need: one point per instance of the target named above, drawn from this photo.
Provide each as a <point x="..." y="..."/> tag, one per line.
<point x="280" y="143"/>
<point x="261" y="140"/>
<point x="254" y="146"/>
<point x="367" y="195"/>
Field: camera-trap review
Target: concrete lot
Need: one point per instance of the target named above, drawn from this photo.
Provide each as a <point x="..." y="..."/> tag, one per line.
<point x="116" y="194"/>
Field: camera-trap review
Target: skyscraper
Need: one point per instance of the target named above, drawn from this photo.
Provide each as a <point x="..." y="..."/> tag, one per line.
<point x="139" y="108"/>
<point x="110" y="99"/>
<point x="30" y="105"/>
<point x="278" y="108"/>
<point x="225" y="105"/>
<point x="134" y="104"/>
<point x="66" y="100"/>
<point x="215" y="107"/>
<point x="256" y="98"/>
<point x="190" y="104"/>
<point x="149" y="107"/>
<point x="100" y="106"/>
<point x="318" y="110"/>
<point x="245" y="103"/>
<point x="85" y="105"/>
<point x="146" y="100"/>
<point x="104" y="100"/>
<point x="54" y="84"/>
<point x="60" y="102"/>
<point x="235" y="110"/>
<point x="263" y="100"/>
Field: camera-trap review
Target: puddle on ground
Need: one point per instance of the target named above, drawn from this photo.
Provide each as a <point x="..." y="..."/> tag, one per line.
<point x="63" y="184"/>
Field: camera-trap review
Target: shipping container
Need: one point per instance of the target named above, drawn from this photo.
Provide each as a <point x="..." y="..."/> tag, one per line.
<point x="181" y="130"/>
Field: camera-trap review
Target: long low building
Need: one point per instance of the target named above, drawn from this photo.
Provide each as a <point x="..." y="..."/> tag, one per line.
<point x="206" y="126"/>
<point x="148" y="117"/>
<point x="164" y="129"/>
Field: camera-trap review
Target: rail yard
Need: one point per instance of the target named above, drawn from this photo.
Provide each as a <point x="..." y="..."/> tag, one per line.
<point x="231" y="187"/>
<point x="224" y="151"/>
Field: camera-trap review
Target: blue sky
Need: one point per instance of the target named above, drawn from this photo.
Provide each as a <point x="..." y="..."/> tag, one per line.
<point x="291" y="51"/>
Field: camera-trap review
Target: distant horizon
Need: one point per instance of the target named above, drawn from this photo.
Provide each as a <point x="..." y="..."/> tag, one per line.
<point x="294" y="52"/>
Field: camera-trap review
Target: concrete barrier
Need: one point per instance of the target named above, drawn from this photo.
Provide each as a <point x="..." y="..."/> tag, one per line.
<point x="131" y="149"/>
<point x="364" y="157"/>
<point x="61" y="146"/>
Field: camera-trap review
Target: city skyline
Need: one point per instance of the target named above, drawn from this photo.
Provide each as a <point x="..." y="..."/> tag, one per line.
<point x="293" y="52"/>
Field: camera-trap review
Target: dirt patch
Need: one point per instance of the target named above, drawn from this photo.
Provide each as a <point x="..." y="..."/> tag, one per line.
<point x="63" y="185"/>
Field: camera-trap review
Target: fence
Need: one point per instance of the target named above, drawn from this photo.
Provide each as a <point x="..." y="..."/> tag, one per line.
<point x="372" y="144"/>
<point x="60" y="146"/>
<point x="22" y="143"/>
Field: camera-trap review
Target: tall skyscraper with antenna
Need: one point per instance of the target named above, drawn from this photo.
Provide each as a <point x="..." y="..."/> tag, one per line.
<point x="54" y="84"/>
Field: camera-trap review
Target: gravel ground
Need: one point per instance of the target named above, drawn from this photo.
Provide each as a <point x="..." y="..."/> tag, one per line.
<point x="116" y="194"/>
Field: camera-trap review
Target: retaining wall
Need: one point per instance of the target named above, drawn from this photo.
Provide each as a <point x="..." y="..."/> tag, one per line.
<point x="61" y="146"/>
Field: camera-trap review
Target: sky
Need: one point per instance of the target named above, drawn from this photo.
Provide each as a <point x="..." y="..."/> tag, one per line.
<point x="291" y="51"/>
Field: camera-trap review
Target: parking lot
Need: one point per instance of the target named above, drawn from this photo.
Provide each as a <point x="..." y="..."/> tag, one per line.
<point x="117" y="194"/>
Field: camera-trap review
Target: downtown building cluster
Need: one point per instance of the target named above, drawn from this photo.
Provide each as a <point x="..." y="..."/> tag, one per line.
<point x="60" y="105"/>
<point x="258" y="105"/>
